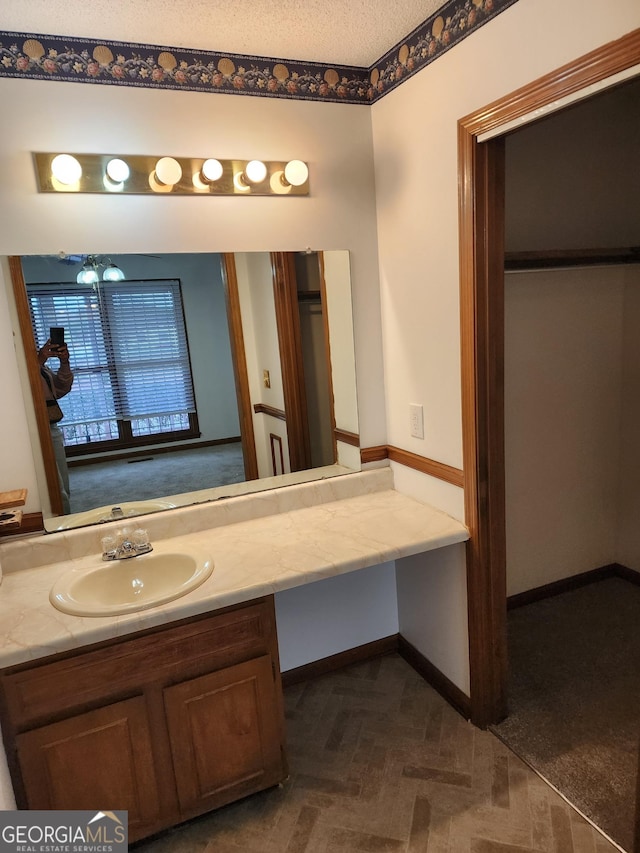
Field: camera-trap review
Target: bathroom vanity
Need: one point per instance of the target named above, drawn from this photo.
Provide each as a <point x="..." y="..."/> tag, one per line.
<point x="167" y="724"/>
<point x="177" y="709"/>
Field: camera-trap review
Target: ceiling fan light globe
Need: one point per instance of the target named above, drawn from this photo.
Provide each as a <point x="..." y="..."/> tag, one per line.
<point x="87" y="275"/>
<point x="113" y="273"/>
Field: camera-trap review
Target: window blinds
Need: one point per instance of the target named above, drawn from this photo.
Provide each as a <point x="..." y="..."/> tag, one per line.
<point x="129" y="354"/>
<point x="150" y="355"/>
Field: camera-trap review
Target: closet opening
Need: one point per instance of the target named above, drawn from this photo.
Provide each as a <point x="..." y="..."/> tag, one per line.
<point x="482" y="139"/>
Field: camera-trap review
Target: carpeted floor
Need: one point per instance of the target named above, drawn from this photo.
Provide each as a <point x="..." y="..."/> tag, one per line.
<point x="155" y="476"/>
<point x="574" y="695"/>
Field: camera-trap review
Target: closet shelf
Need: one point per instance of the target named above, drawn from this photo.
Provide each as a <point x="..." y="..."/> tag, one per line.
<point x="570" y="258"/>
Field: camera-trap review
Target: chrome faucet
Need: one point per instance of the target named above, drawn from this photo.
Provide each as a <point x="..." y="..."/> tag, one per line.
<point x="125" y="544"/>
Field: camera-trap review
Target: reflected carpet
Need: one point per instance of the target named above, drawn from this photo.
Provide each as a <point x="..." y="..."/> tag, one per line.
<point x="152" y="476"/>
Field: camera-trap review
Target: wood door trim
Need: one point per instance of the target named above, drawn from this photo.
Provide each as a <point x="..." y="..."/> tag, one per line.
<point x="481" y="235"/>
<point x="289" y="343"/>
<point x="601" y="63"/>
<point x="239" y="360"/>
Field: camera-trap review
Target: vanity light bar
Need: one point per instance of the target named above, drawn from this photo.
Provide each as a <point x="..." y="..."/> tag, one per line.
<point x="142" y="174"/>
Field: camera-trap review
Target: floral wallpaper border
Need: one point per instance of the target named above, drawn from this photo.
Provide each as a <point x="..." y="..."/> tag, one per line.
<point x="45" y="57"/>
<point x="440" y="32"/>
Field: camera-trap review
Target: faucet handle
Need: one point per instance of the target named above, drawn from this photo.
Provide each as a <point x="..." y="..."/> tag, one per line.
<point x="140" y="539"/>
<point x="109" y="547"/>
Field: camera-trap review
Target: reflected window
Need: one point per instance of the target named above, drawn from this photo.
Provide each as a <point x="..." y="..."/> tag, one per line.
<point x="130" y="357"/>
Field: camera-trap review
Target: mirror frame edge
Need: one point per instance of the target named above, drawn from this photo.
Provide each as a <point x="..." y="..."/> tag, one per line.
<point x="327" y="343"/>
<point x="33" y="372"/>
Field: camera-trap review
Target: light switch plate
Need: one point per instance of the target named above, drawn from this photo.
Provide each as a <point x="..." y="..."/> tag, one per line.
<point x="416" y="420"/>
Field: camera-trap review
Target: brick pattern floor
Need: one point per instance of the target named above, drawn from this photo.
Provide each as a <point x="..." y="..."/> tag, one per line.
<point x="380" y="762"/>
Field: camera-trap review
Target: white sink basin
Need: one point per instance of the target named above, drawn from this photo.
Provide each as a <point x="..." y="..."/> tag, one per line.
<point x="124" y="586"/>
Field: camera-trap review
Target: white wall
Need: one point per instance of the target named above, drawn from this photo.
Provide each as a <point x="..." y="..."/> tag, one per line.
<point x="335" y="139"/>
<point x="324" y="618"/>
<point x="430" y="588"/>
<point x="416" y="171"/>
<point x="563" y="398"/>
<point x="340" y="317"/>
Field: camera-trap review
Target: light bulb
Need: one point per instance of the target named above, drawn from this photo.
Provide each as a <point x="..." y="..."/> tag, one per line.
<point x="211" y="170"/>
<point x="117" y="170"/>
<point x="255" y="171"/>
<point x="296" y="173"/>
<point x="168" y="171"/>
<point x="66" y="169"/>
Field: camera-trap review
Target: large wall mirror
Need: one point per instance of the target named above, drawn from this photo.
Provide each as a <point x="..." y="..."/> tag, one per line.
<point x="195" y="377"/>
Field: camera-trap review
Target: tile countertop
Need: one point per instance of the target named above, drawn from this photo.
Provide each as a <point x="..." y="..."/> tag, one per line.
<point x="254" y="557"/>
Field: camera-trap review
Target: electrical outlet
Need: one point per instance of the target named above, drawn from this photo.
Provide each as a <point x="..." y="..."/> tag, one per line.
<point x="416" y="421"/>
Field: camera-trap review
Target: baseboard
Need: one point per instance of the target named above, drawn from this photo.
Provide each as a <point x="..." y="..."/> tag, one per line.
<point x="316" y="668"/>
<point x="387" y="645"/>
<point x="612" y="570"/>
<point x="627" y="573"/>
<point x="149" y="450"/>
<point x="432" y="675"/>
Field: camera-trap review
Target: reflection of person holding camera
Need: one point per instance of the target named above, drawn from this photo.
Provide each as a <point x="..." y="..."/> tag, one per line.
<point x="55" y="384"/>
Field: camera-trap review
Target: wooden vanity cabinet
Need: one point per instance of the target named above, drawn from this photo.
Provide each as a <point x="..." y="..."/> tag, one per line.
<point x="167" y="724"/>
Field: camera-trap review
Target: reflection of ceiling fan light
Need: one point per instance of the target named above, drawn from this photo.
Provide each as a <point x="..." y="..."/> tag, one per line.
<point x="296" y="173"/>
<point x="168" y="171"/>
<point x="255" y="171"/>
<point x="117" y="170"/>
<point x="211" y="170"/>
<point x="66" y="169"/>
<point x="112" y="273"/>
<point x="88" y="274"/>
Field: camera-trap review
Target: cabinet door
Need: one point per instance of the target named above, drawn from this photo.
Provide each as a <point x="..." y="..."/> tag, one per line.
<point x="98" y="760"/>
<point x="225" y="730"/>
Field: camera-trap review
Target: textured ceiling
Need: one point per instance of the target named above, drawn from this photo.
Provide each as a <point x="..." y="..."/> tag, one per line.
<point x="345" y="32"/>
